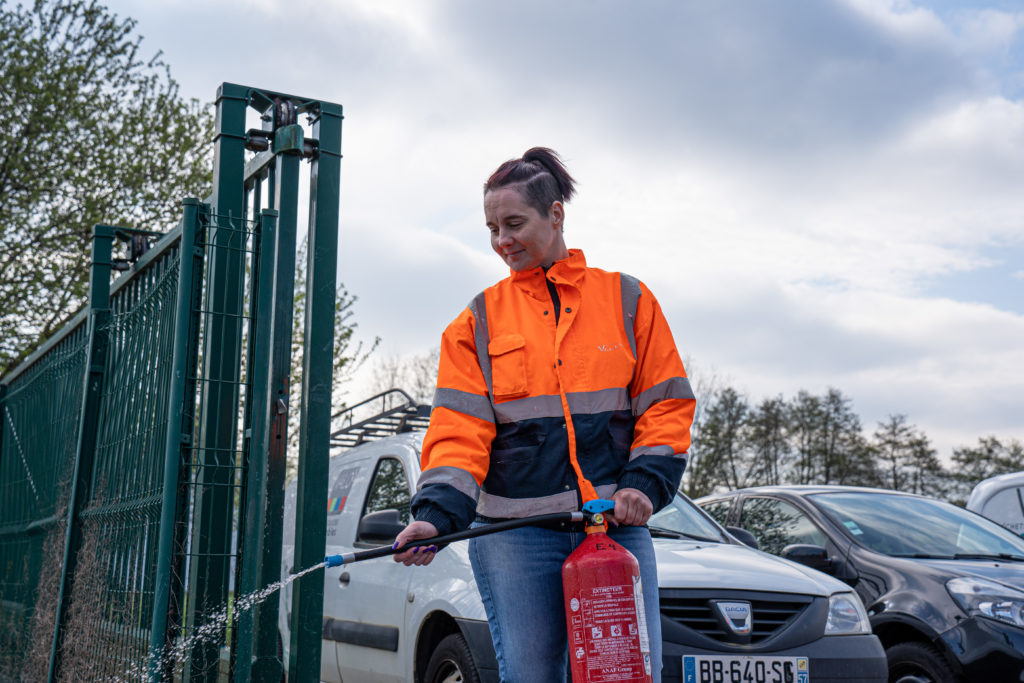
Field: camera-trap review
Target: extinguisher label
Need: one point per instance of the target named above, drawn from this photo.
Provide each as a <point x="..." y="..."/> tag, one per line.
<point x="609" y="632"/>
<point x="641" y="617"/>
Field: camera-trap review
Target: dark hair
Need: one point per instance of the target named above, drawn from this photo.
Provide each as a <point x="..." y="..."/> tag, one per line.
<point x="540" y="177"/>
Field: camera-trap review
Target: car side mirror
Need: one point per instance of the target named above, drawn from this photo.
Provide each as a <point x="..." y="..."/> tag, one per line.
<point x="380" y="527"/>
<point x="743" y="536"/>
<point x="813" y="556"/>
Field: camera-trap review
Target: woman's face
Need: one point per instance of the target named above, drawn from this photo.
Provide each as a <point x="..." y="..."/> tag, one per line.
<point x="522" y="237"/>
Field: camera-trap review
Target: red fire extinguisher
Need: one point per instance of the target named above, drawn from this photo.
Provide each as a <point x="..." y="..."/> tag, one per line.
<point x="604" y="608"/>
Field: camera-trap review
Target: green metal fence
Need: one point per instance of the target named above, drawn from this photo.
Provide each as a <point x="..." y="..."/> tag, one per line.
<point x="109" y="602"/>
<point x="39" y="411"/>
<point x="142" y="448"/>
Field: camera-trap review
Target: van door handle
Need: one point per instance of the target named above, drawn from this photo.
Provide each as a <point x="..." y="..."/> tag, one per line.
<point x="344" y="578"/>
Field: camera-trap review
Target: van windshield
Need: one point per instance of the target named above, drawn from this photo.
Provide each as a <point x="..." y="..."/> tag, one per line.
<point x="906" y="526"/>
<point x="684" y="518"/>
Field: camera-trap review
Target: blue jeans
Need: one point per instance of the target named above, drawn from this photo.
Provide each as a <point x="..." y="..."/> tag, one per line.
<point x="519" y="575"/>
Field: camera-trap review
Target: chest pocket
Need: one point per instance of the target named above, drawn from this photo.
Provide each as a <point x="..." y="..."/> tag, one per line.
<point x="508" y="365"/>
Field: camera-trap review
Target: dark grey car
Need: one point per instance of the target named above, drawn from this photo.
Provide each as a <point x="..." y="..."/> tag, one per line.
<point x="944" y="587"/>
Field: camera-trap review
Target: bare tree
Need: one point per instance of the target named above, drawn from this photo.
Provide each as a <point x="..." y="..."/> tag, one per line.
<point x="349" y="354"/>
<point x="769" y="440"/>
<point x="804" y="414"/>
<point x="416" y="374"/>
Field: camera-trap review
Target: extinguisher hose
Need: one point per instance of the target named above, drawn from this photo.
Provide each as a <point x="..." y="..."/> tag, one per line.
<point x="384" y="551"/>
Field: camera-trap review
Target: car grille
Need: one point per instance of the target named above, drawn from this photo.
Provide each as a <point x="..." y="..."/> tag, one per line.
<point x="697" y="613"/>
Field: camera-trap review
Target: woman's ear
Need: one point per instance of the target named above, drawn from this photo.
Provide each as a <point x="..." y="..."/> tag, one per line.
<point x="557" y="214"/>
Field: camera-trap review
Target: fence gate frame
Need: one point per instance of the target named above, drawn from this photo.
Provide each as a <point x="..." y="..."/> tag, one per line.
<point x="213" y="527"/>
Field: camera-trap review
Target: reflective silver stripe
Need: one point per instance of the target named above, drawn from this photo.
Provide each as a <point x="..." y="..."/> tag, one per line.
<point x="464" y="402"/>
<point x="606" y="491"/>
<point x="580" y="403"/>
<point x="655" y="450"/>
<point x="490" y="505"/>
<point x="673" y="387"/>
<point x="529" y="407"/>
<point x="630" y="297"/>
<point x="600" y="401"/>
<point x="478" y="307"/>
<point x="456" y="477"/>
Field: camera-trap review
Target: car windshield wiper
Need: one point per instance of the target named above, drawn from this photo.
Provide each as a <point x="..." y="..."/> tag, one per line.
<point x="661" y="532"/>
<point x="962" y="556"/>
<point x="989" y="556"/>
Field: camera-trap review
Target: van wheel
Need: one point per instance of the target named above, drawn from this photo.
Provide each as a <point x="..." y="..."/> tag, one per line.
<point x="916" y="662"/>
<point x="452" y="662"/>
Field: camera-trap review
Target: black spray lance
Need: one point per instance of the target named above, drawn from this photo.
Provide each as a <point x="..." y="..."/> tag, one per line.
<point x="590" y="509"/>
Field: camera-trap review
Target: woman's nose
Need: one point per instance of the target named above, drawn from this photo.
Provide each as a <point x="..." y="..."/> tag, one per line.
<point x="504" y="239"/>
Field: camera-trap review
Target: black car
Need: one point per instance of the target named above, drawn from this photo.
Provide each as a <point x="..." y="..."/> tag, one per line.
<point x="944" y="587"/>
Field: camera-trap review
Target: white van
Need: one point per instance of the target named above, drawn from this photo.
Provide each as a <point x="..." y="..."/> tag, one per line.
<point x="1001" y="499"/>
<point x="385" y="622"/>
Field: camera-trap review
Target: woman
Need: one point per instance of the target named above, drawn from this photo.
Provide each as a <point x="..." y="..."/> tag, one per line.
<point x="557" y="385"/>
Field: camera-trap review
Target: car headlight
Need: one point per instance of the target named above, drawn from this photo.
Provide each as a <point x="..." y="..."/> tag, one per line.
<point x="846" y="615"/>
<point x="988" y="599"/>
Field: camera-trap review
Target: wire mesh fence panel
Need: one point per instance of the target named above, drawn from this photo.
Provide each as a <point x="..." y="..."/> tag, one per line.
<point x="112" y="602"/>
<point x="214" y="474"/>
<point x="39" y="423"/>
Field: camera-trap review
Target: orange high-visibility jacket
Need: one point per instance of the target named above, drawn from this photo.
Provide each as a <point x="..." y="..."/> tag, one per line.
<point x="533" y="416"/>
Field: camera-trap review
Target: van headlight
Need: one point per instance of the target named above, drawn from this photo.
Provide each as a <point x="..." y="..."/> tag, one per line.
<point x="846" y="615"/>
<point x="988" y="599"/>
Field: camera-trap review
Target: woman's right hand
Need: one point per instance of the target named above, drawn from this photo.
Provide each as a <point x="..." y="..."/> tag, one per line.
<point x="421" y="555"/>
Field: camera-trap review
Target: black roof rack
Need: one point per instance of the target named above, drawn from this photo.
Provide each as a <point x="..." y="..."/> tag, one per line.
<point x="396" y="413"/>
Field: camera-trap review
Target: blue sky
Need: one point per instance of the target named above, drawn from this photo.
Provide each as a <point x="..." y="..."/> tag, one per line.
<point x="821" y="193"/>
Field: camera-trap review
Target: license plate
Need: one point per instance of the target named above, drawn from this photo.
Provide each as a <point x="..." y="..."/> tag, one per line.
<point x="745" y="669"/>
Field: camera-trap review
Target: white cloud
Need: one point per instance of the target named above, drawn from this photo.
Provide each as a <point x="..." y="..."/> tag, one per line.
<point x="785" y="176"/>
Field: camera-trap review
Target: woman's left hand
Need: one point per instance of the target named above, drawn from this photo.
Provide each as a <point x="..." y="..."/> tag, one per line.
<point x="632" y="507"/>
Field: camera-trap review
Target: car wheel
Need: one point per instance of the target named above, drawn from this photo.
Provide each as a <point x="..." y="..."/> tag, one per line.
<point x="452" y="662"/>
<point x="914" y="662"/>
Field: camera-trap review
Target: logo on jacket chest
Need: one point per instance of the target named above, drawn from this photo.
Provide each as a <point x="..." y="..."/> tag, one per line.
<point x="608" y="347"/>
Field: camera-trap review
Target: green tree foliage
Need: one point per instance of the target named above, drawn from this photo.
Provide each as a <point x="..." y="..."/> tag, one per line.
<point x="906" y="460"/>
<point x="818" y="439"/>
<point x="718" y="453"/>
<point x="769" y="442"/>
<point x="804" y="414"/>
<point x="93" y="132"/>
<point x="846" y="457"/>
<point x="987" y="459"/>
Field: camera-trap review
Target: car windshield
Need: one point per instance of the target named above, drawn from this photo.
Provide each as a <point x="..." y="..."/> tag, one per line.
<point x="683" y="518"/>
<point x="906" y="526"/>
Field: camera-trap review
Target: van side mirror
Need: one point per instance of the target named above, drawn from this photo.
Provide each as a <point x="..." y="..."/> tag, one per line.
<point x="813" y="556"/>
<point x="743" y="536"/>
<point x="380" y="528"/>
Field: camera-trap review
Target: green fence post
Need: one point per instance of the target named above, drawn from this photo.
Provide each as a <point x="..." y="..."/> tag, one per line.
<point x="317" y="374"/>
<point x="262" y="292"/>
<point x="213" y="505"/>
<point x="257" y="630"/>
<point x="99" y="318"/>
<point x="3" y="422"/>
<point x="288" y="144"/>
<point x="179" y="433"/>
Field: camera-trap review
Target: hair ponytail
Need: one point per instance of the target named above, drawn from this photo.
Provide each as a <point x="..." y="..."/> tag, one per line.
<point x="539" y="176"/>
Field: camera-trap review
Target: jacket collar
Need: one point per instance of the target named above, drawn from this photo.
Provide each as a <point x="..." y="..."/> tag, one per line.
<point x="569" y="270"/>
